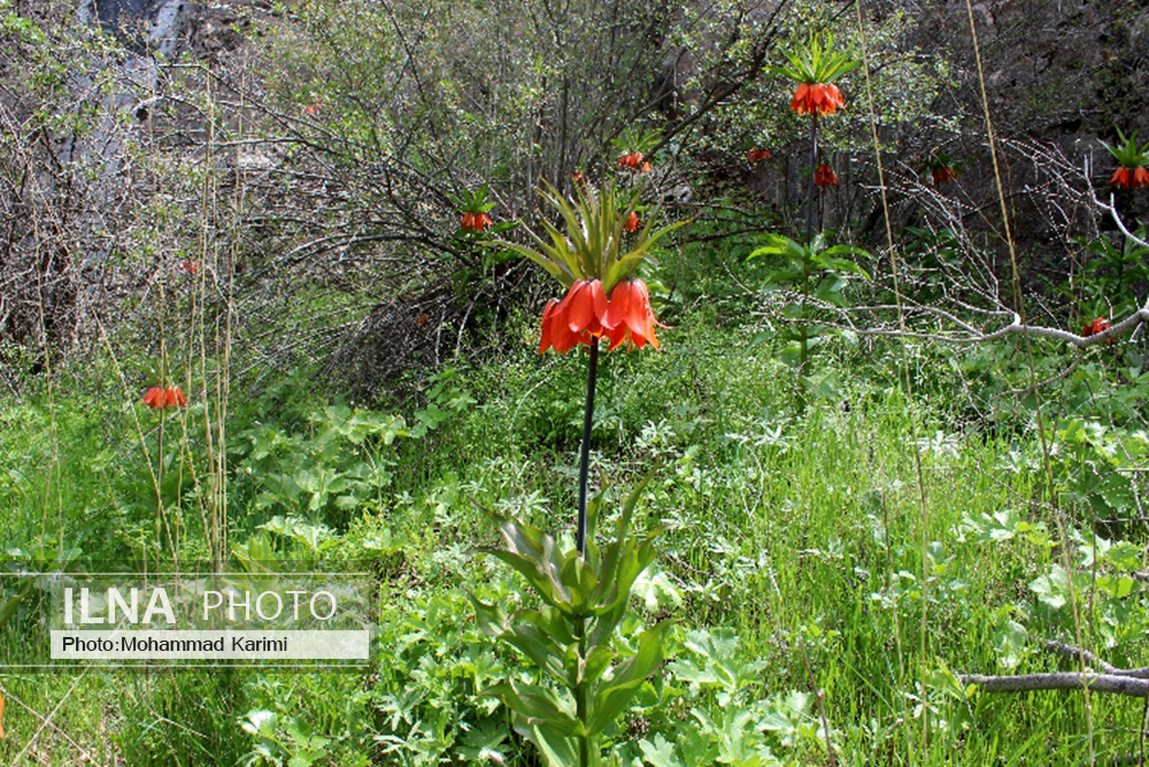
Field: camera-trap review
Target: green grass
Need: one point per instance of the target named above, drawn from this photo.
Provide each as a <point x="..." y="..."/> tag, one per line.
<point x="806" y="535"/>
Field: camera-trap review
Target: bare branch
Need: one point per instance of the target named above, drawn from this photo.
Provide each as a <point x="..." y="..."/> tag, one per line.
<point x="1064" y="680"/>
<point x="1076" y="653"/>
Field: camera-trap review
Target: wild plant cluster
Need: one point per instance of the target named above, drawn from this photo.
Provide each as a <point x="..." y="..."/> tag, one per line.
<point x="828" y="446"/>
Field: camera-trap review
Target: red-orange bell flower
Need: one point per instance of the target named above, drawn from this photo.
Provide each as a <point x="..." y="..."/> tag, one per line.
<point x="756" y="154"/>
<point x="585" y="314"/>
<point x="154" y="397"/>
<point x="475" y="222"/>
<point x="632" y="160"/>
<point x="632" y="222"/>
<point x="576" y="319"/>
<point x="158" y="398"/>
<point x="629" y="318"/>
<point x="944" y="174"/>
<point x="1099" y="325"/>
<point x="824" y="176"/>
<point x="817" y="98"/>
<point x="1140" y="177"/>
<point x="1122" y="178"/>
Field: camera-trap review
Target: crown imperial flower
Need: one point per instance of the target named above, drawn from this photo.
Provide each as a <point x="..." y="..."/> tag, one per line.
<point x="824" y="176"/>
<point x="584" y="314"/>
<point x="475" y="222"/>
<point x="594" y="259"/>
<point x="632" y="160"/>
<point x="474" y="206"/>
<point x="815" y="68"/>
<point x="1130" y="178"/>
<point x="943" y="174"/>
<point x="1132" y="173"/>
<point x="160" y="398"/>
<point x="1099" y="325"/>
<point x="817" y="98"/>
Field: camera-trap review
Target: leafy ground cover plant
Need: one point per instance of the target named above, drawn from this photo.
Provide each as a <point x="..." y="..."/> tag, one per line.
<point x="571" y="637"/>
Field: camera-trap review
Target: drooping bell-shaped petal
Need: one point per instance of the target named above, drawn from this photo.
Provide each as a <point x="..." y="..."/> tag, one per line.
<point x="824" y="176"/>
<point x="154" y="397"/>
<point x="817" y="98"/>
<point x="545" y="341"/>
<point x="588" y="306"/>
<point x="1122" y="178"/>
<point x="1140" y="177"/>
<point x="617" y="307"/>
<point x="561" y="336"/>
<point x="556" y="330"/>
<point x="800" y="102"/>
<point x="629" y="317"/>
<point x="832" y="99"/>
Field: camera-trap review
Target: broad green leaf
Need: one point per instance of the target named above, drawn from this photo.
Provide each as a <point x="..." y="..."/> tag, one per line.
<point x="557" y="750"/>
<point x="598" y="660"/>
<point x="537" y="706"/>
<point x="549" y="590"/>
<point x="1009" y="641"/>
<point x="491" y="618"/>
<point x="539" y="647"/>
<point x="611" y="696"/>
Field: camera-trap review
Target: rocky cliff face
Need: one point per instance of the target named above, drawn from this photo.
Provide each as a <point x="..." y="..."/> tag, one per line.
<point x="1060" y="75"/>
<point x="147" y="27"/>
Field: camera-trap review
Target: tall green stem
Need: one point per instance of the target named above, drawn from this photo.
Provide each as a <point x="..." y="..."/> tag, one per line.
<point x="812" y="193"/>
<point x="580" y="690"/>
<point x="812" y="197"/>
<point x="584" y="456"/>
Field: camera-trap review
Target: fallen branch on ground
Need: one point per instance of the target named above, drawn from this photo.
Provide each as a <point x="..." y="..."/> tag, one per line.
<point x="1061" y="680"/>
<point x="1133" y="682"/>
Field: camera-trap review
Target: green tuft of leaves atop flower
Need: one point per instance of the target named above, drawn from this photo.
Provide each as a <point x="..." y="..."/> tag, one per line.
<point x="816" y="63"/>
<point x="595" y="242"/>
<point x="1127" y="154"/>
<point x="473" y="201"/>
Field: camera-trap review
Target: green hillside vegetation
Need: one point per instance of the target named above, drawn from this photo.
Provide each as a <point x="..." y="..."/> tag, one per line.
<point x="279" y="300"/>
